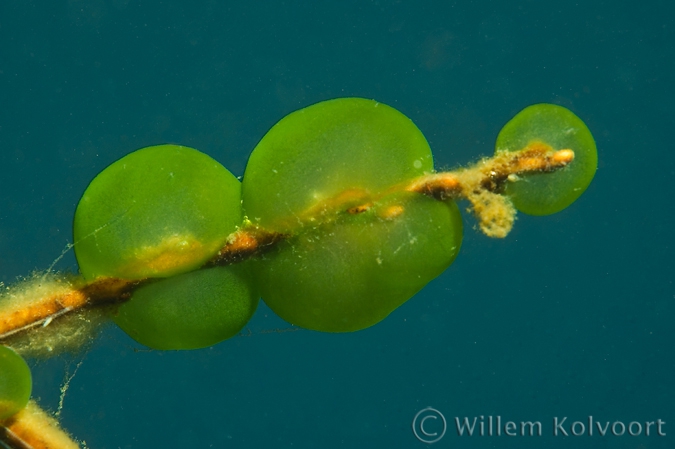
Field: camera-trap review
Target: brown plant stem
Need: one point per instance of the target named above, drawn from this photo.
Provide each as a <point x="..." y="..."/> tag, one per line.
<point x="32" y="428"/>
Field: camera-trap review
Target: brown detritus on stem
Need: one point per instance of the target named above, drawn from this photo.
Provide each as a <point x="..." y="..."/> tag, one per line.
<point x="32" y="306"/>
<point x="32" y="428"/>
<point x="243" y="244"/>
<point x="360" y="208"/>
<point x="491" y="174"/>
<point x="481" y="184"/>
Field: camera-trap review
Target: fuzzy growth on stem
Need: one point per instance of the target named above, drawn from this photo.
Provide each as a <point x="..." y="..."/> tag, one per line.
<point x="32" y="428"/>
<point x="482" y="184"/>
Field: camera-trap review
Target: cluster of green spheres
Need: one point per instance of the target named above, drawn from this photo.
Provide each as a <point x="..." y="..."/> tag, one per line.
<point x="355" y="247"/>
<point x="162" y="212"/>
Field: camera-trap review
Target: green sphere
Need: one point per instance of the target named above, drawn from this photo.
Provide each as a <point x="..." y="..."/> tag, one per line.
<point x="191" y="310"/>
<point x="15" y="382"/>
<point x="156" y="212"/>
<point x="331" y="177"/>
<point x="558" y="127"/>
<point x="348" y="275"/>
<point x="317" y="153"/>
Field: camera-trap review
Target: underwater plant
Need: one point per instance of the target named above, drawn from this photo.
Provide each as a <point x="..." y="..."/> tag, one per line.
<point x="340" y="219"/>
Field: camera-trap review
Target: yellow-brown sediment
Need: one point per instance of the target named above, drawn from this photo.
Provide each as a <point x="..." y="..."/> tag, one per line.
<point x="391" y="212"/>
<point x="481" y="184"/>
<point x="244" y="243"/>
<point x="32" y="428"/>
<point x="353" y="200"/>
<point x="172" y="253"/>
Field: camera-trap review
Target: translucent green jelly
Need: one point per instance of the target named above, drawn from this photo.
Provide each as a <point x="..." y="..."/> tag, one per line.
<point x="15" y="382"/>
<point x="156" y="212"/>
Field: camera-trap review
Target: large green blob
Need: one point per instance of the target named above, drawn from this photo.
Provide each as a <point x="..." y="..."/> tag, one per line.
<point x="156" y="212"/>
<point x="556" y="126"/>
<point x="350" y="274"/>
<point x="317" y="153"/>
<point x="331" y="177"/>
<point x="15" y="383"/>
<point x="191" y="310"/>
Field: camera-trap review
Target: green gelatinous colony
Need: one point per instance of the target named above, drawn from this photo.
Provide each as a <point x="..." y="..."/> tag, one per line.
<point x="330" y="180"/>
<point x="15" y="383"/>
<point x="556" y="126"/>
<point x="163" y="211"/>
<point x="157" y="212"/>
<point x="359" y="248"/>
<point x="317" y="153"/>
<point x="350" y="274"/>
<point x="191" y="310"/>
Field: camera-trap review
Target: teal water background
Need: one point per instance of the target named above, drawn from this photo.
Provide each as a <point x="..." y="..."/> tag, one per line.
<point x="571" y="315"/>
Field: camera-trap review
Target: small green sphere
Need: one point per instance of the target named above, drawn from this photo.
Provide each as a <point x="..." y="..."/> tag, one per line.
<point x="15" y="382"/>
<point x="156" y="212"/>
<point x="558" y="127"/>
<point x="191" y="310"/>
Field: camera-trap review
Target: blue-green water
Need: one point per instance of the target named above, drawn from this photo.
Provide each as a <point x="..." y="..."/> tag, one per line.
<point x="570" y="316"/>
